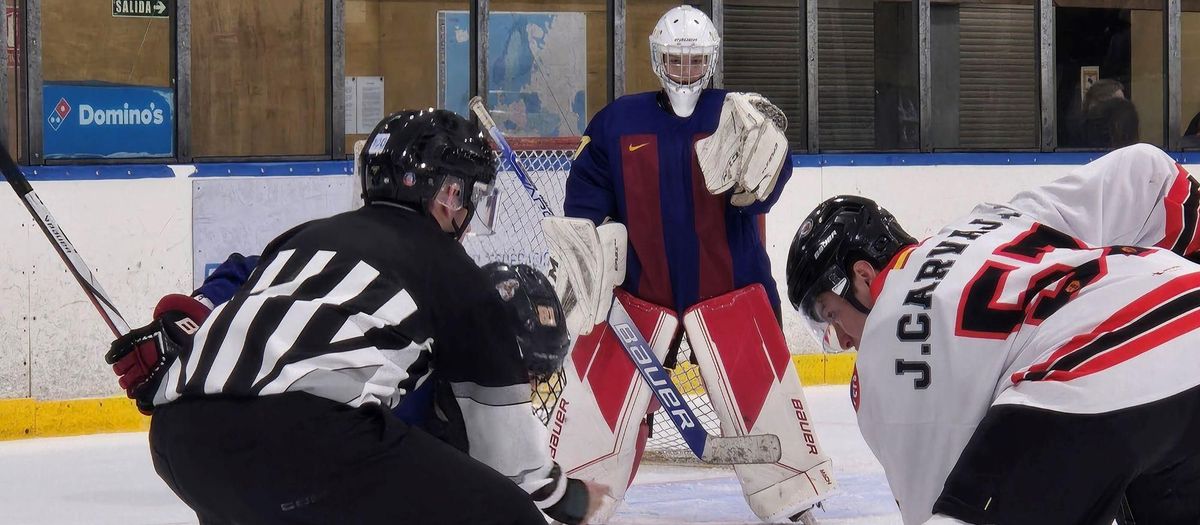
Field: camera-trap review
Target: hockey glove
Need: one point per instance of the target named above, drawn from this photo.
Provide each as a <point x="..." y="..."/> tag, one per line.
<point x="747" y="150"/>
<point x="141" y="358"/>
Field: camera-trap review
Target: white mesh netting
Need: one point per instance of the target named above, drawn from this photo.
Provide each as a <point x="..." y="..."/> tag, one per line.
<point x="519" y="239"/>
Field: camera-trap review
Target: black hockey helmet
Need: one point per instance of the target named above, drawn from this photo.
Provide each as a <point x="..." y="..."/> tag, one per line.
<point x="411" y="155"/>
<point x="536" y="314"/>
<point x="840" y="231"/>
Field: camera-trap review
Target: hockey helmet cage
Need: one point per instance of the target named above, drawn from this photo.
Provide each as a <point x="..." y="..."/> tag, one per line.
<point x="536" y="315"/>
<point x="412" y="155"/>
<point x="684" y="41"/>
<point x="840" y="231"/>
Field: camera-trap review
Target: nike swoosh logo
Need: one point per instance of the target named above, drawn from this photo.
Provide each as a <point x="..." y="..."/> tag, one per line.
<point x="633" y="148"/>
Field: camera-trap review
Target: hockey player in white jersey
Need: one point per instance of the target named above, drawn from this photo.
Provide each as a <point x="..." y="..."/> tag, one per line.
<point x="1032" y="362"/>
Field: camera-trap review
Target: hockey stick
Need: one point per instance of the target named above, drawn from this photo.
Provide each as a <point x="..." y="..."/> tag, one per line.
<point x="758" y="448"/>
<point x="62" y="245"/>
<point x="509" y="155"/>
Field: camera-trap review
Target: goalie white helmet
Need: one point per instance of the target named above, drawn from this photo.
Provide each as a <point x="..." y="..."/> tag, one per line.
<point x="683" y="52"/>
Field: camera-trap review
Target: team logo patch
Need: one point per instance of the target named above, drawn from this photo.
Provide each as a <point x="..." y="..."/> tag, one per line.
<point x="854" y="389"/>
<point x="583" y="142"/>
<point x="806" y="228"/>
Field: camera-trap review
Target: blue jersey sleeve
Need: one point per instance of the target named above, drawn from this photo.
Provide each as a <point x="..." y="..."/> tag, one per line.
<point x="220" y="286"/>
<point x="590" y="192"/>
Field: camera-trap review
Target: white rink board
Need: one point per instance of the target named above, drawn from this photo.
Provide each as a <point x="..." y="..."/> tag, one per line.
<point x="138" y="237"/>
<point x="243" y="214"/>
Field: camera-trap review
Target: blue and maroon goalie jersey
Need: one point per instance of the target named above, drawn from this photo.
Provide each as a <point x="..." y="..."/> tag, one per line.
<point x="637" y="165"/>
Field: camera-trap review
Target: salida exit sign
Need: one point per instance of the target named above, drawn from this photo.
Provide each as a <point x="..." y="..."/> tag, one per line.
<point x="141" y="8"/>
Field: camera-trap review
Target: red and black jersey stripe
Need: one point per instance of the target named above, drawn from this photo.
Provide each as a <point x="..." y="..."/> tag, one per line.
<point x="1165" y="313"/>
<point x="1182" y="207"/>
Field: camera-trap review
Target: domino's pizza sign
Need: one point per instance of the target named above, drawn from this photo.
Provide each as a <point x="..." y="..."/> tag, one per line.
<point x="107" y="121"/>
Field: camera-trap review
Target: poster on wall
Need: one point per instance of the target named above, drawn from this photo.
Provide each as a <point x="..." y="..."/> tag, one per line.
<point x="537" y="70"/>
<point x="364" y="104"/>
<point x="1088" y="75"/>
<point x="11" y="27"/>
<point x="93" y="120"/>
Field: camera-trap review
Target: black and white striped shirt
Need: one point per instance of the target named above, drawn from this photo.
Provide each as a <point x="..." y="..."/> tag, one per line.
<point x="355" y="308"/>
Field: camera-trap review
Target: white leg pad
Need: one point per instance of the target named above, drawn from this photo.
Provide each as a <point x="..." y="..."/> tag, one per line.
<point x="752" y="382"/>
<point x="594" y="430"/>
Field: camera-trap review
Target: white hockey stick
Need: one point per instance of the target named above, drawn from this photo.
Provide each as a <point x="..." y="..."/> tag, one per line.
<point x="91" y="287"/>
<point x="759" y="448"/>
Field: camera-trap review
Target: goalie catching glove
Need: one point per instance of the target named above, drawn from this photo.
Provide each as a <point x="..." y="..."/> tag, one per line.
<point x="747" y="151"/>
<point x="142" y="356"/>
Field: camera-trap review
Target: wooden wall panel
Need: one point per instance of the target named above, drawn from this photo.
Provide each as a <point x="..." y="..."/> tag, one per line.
<point x="83" y="41"/>
<point x="640" y="18"/>
<point x="597" y="41"/>
<point x="1146" y="66"/>
<point x="396" y="40"/>
<point x="258" y="78"/>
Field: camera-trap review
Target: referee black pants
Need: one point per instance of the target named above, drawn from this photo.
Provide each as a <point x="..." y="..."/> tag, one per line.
<point x="299" y="459"/>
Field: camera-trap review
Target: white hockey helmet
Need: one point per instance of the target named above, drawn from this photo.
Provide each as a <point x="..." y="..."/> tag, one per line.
<point x="683" y="52"/>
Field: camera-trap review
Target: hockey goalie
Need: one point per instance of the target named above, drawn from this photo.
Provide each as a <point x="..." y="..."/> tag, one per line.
<point x="678" y="181"/>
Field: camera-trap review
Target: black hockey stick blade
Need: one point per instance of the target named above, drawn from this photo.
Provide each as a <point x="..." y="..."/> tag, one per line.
<point x="62" y="245"/>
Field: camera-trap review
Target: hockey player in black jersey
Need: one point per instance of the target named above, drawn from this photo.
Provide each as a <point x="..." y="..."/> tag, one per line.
<point x="280" y="410"/>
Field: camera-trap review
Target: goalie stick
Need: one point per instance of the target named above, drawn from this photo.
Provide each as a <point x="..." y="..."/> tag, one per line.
<point x="62" y="245"/>
<point x="762" y="448"/>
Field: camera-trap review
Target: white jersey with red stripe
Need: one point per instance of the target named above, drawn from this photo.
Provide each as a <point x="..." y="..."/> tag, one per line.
<point x="1058" y="300"/>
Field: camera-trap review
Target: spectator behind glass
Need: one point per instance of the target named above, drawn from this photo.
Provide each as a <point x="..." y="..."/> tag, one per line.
<point x="1191" y="136"/>
<point x="1110" y="124"/>
<point x="1104" y="89"/>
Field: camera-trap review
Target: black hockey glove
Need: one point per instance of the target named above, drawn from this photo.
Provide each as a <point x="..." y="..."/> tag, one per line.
<point x="141" y="357"/>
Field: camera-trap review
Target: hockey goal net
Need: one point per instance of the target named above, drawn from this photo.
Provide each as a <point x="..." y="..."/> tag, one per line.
<point x="519" y="239"/>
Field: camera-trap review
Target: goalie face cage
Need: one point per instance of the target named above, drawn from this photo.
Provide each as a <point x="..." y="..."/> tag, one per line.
<point x="519" y="239"/>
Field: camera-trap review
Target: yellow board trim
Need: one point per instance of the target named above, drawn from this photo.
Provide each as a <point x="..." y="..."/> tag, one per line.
<point x="29" y="418"/>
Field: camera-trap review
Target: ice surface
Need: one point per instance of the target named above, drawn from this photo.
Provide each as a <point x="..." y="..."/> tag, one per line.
<point x="108" y="479"/>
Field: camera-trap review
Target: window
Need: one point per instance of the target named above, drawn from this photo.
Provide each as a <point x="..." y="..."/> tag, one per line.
<point x="419" y="50"/>
<point x="867" y="74"/>
<point x="107" y="90"/>
<point x="764" y="52"/>
<point x="259" y="78"/>
<point x="1109" y="65"/>
<point x="14" y="95"/>
<point x="547" y="66"/>
<point x="1189" y="131"/>
<point x="983" y="59"/>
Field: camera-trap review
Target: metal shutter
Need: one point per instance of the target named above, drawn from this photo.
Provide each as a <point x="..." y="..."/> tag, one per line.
<point x="998" y="77"/>
<point x="846" y="75"/>
<point x="764" y="53"/>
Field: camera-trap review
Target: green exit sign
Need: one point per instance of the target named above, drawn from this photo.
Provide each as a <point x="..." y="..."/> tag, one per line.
<point x="140" y="8"/>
